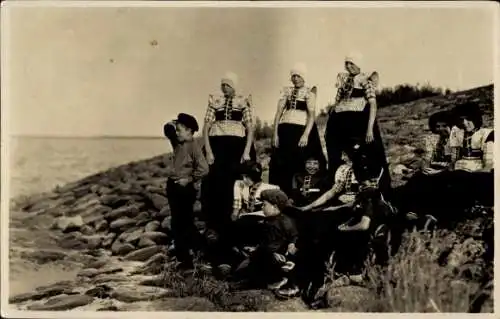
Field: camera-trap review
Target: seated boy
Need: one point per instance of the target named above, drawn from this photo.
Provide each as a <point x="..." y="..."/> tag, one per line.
<point x="308" y="185"/>
<point x="270" y="263"/>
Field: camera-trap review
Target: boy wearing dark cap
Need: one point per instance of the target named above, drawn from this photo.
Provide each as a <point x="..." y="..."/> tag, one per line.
<point x="271" y="262"/>
<point x="189" y="167"/>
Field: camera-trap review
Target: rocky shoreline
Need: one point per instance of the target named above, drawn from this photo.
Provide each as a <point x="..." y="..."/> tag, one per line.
<point x="104" y="241"/>
<point x="113" y="229"/>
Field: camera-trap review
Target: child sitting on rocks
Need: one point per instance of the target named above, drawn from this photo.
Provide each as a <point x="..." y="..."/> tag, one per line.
<point x="310" y="184"/>
<point x="270" y="264"/>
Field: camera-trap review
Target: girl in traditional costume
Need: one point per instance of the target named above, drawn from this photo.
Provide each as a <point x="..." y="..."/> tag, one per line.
<point x="296" y="135"/>
<point x="228" y="138"/>
<point x="352" y="121"/>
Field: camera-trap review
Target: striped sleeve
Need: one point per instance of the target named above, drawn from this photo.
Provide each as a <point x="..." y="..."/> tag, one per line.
<point x="210" y="114"/>
<point x="429" y="147"/>
<point x="237" y="196"/>
<point x="247" y="112"/>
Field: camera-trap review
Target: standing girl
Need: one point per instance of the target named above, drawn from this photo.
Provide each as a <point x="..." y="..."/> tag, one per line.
<point x="352" y="121"/>
<point x="296" y="135"/>
<point x="228" y="137"/>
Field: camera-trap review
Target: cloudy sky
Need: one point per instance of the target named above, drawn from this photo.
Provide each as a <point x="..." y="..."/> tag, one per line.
<point x="125" y="71"/>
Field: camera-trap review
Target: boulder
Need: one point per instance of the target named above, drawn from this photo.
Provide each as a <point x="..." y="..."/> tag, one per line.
<point x="157" y="237"/>
<point x="68" y="224"/>
<point x="166" y="224"/>
<point x="121" y="249"/>
<point x="101" y="225"/>
<point x="158" y="201"/>
<point x="108" y="240"/>
<point x="87" y="230"/>
<point x="152" y="226"/>
<point x="95" y="214"/>
<point x="122" y="223"/>
<point x="144" y="254"/>
<point x="63" y="302"/>
<point x="134" y="293"/>
<point x="124" y="211"/>
<point x="164" y="212"/>
<point x="145" y="242"/>
<point x="100" y="291"/>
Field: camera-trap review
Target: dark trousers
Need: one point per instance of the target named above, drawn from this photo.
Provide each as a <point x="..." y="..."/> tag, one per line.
<point x="289" y="159"/>
<point x="319" y="238"/>
<point x="263" y="269"/>
<point x="185" y="234"/>
<point x="246" y="231"/>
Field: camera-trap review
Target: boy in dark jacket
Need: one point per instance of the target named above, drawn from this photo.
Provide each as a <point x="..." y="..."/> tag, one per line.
<point x="189" y="167"/>
<point x="271" y="263"/>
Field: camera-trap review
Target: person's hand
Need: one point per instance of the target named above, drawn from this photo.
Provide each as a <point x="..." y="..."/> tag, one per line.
<point x="431" y="171"/>
<point x="369" y="136"/>
<point x="234" y="216"/>
<point x="303" y="140"/>
<point x="292" y="249"/>
<point x="183" y="182"/>
<point x="245" y="157"/>
<point x="276" y="142"/>
<point x="210" y="157"/>
<point x="279" y="258"/>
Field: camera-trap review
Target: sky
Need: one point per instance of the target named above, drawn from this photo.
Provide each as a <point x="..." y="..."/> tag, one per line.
<point x="126" y="71"/>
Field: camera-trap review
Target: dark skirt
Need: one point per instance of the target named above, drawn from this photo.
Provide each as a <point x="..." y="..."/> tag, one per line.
<point x="217" y="189"/>
<point x="289" y="159"/>
<point x="346" y="129"/>
<point x="446" y="196"/>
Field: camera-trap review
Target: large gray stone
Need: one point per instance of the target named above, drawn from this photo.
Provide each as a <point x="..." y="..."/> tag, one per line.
<point x="121" y="249"/>
<point x="122" y="223"/>
<point x="124" y="211"/>
<point x="133" y="293"/>
<point x="63" y="303"/>
<point x="144" y="254"/>
<point x="156" y="236"/>
<point x="67" y="224"/>
<point x="152" y="226"/>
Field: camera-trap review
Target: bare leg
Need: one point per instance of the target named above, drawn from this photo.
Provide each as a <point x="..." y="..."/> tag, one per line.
<point x="362" y="225"/>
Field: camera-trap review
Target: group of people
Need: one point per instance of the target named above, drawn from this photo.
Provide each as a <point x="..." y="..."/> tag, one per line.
<point x="282" y="232"/>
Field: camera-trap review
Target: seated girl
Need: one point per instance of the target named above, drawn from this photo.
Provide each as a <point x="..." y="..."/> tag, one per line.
<point x="247" y="213"/>
<point x="308" y="185"/>
<point x="438" y="153"/>
<point x="468" y="181"/>
<point x="472" y="143"/>
<point x="342" y="192"/>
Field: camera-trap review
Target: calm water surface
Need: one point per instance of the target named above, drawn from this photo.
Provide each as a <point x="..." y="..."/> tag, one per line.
<point x="40" y="164"/>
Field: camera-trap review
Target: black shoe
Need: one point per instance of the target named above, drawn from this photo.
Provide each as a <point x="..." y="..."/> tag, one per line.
<point x="288" y="290"/>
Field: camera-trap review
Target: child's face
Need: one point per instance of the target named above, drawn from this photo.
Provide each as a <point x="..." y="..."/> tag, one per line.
<point x="247" y="180"/>
<point x="183" y="133"/>
<point x="442" y="128"/>
<point x="312" y="166"/>
<point x="467" y="124"/>
<point x="269" y="209"/>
